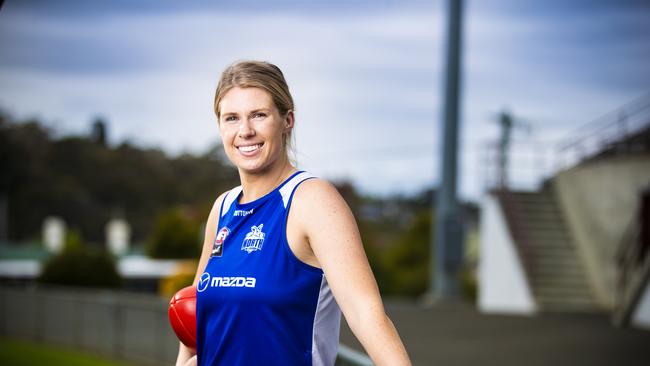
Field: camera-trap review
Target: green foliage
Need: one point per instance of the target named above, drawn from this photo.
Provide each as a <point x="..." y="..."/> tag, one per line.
<point x="175" y="235"/>
<point x="469" y="284"/>
<point x="78" y="265"/>
<point x="73" y="241"/>
<point x="88" y="182"/>
<point x="408" y="260"/>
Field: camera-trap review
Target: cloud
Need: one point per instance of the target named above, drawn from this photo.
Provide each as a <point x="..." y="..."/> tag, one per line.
<point x="366" y="79"/>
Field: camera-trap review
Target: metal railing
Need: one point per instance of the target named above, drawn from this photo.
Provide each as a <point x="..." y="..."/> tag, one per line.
<point x="633" y="263"/>
<point x="532" y="162"/>
<point x="611" y="132"/>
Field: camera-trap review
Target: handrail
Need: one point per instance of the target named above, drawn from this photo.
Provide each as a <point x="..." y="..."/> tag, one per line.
<point x="628" y="110"/>
<point x="523" y="244"/>
<point x="536" y="161"/>
<point x="626" y="261"/>
<point x="633" y="263"/>
<point x="598" y="135"/>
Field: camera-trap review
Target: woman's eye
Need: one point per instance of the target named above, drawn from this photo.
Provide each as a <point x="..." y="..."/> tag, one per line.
<point x="230" y="119"/>
<point x="259" y="115"/>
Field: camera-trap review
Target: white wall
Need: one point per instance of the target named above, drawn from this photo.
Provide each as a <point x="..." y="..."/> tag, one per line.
<point x="503" y="287"/>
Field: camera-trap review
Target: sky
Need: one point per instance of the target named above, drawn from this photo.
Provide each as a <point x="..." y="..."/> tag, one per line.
<point x="366" y="76"/>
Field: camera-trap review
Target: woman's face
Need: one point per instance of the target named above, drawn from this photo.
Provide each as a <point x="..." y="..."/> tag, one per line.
<point x="253" y="130"/>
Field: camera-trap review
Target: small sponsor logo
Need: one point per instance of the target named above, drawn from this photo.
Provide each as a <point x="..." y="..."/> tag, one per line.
<point x="204" y="282"/>
<point x="254" y="239"/>
<point x="243" y="212"/>
<point x="217" y="247"/>
<point x="207" y="281"/>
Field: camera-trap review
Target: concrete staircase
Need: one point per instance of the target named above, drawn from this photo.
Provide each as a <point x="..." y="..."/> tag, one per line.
<point x="554" y="271"/>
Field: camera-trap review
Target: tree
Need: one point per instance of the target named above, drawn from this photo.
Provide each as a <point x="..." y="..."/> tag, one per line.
<point x="86" y="183"/>
<point x="175" y="235"/>
<point x="408" y="260"/>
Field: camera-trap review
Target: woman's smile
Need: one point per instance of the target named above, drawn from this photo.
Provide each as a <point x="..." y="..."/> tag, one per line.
<point x="250" y="150"/>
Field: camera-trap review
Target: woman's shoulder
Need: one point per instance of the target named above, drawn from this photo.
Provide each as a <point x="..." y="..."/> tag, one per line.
<point x="315" y="187"/>
<point x="318" y="207"/>
<point x="216" y="206"/>
<point x="316" y="193"/>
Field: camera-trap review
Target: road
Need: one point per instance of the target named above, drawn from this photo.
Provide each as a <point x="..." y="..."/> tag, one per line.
<point x="456" y="334"/>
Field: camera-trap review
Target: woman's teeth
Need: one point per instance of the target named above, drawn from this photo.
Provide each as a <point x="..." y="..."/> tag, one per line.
<point x="250" y="148"/>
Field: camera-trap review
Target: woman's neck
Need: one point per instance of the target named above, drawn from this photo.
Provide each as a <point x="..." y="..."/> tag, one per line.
<point x="255" y="186"/>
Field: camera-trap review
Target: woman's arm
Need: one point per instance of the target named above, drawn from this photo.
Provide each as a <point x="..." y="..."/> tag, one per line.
<point x="187" y="356"/>
<point x="326" y="222"/>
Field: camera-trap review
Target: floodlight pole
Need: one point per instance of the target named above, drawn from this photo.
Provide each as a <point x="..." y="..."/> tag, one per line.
<point x="447" y="250"/>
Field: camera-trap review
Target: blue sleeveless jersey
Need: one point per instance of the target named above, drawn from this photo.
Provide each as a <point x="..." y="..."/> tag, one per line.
<point x="257" y="304"/>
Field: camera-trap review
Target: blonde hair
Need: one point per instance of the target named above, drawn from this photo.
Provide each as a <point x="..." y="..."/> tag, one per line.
<point x="257" y="74"/>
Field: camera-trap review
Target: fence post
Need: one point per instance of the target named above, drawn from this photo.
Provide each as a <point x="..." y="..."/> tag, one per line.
<point x="119" y="327"/>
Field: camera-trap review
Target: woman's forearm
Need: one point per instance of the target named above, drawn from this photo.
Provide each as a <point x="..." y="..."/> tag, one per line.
<point x="380" y="339"/>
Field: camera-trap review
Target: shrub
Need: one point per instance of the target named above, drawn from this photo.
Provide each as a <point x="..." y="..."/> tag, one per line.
<point x="78" y="265"/>
<point x="175" y="235"/>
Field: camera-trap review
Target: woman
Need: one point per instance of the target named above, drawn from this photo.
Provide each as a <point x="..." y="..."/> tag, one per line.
<point x="279" y="248"/>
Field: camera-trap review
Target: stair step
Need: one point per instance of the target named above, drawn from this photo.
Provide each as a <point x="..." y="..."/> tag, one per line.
<point x="563" y="306"/>
<point x="537" y="205"/>
<point x="551" y="243"/>
<point x="556" y="268"/>
<point x="552" y="250"/>
<point x="549" y="234"/>
<point x="544" y="272"/>
<point x="558" y="296"/>
<point x="550" y="225"/>
<point x="546" y="282"/>
<point x="568" y="290"/>
<point x="559" y="282"/>
<point x="555" y="256"/>
<point x="530" y="196"/>
<point x="532" y="200"/>
<point x="540" y="210"/>
<point x="555" y="271"/>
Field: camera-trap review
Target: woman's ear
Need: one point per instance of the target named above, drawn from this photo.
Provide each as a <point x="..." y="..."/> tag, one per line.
<point x="289" y="120"/>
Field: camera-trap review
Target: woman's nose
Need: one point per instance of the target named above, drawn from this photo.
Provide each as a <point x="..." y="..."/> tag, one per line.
<point x="246" y="129"/>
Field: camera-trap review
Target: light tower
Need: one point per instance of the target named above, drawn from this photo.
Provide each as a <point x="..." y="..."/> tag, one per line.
<point x="447" y="239"/>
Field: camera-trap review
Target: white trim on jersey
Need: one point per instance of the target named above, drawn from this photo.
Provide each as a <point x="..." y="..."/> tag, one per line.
<point x="288" y="188"/>
<point x="230" y="198"/>
<point x="325" y="332"/>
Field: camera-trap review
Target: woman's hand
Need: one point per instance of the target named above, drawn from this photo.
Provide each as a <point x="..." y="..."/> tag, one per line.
<point x="191" y="361"/>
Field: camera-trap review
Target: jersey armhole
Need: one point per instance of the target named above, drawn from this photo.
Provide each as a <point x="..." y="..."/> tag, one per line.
<point x="221" y="209"/>
<point x="285" y="243"/>
<point x="216" y="231"/>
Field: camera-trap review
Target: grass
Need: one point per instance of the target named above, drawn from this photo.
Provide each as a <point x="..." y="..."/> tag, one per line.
<point x="23" y="353"/>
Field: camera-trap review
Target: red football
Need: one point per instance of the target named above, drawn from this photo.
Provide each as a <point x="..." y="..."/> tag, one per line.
<point x="182" y="315"/>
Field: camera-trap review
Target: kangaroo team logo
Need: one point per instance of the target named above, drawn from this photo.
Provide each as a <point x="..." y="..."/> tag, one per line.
<point x="253" y="240"/>
<point x="217" y="247"/>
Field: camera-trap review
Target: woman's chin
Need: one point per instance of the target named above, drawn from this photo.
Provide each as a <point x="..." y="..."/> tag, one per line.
<point x="250" y="167"/>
